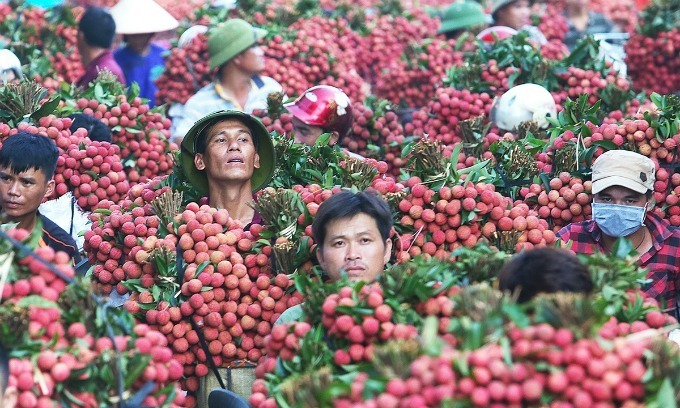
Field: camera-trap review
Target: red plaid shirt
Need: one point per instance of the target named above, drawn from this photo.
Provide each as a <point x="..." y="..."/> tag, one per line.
<point x="662" y="260"/>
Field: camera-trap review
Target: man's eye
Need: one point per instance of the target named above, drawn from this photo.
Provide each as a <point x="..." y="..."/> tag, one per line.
<point x="366" y="240"/>
<point x="338" y="243"/>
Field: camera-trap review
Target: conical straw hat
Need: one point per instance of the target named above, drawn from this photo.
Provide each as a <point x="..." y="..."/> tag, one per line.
<point x="141" y="17"/>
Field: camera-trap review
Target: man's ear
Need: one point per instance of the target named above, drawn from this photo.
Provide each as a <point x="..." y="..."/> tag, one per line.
<point x="198" y="161"/>
<point x="319" y="257"/>
<point x="50" y="188"/>
<point x="335" y="137"/>
<point x="256" y="161"/>
<point x="388" y="251"/>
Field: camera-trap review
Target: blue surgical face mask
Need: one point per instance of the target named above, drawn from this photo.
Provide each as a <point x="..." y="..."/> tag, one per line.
<point x="618" y="220"/>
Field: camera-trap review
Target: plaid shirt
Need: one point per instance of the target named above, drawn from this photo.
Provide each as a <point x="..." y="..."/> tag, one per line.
<point x="662" y="260"/>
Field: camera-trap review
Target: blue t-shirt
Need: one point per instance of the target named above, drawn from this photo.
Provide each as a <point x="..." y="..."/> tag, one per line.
<point x="143" y="70"/>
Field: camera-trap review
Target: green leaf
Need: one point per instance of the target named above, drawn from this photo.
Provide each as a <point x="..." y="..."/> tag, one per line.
<point x="36" y="301"/>
<point x="666" y="395"/>
<point x="99" y="92"/>
<point x="47" y="108"/>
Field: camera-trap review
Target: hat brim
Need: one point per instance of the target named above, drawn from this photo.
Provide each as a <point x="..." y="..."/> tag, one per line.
<point x="227" y="54"/>
<point x="199" y="180"/>
<point x="461" y="23"/>
<point x="142" y="17"/>
<point x="606" y="182"/>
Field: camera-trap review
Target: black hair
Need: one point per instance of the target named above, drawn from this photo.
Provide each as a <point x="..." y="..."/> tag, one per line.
<point x="25" y="151"/>
<point x="544" y="270"/>
<point x="4" y="370"/>
<point x="97" y="131"/>
<point x="346" y="205"/>
<point x="202" y="137"/>
<point x="98" y="27"/>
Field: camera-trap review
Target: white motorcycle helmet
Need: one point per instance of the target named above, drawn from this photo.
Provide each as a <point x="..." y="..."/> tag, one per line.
<point x="526" y="102"/>
<point x="190" y="34"/>
<point x="9" y="65"/>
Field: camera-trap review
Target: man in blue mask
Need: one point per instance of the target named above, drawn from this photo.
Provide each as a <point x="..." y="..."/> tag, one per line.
<point x="623" y="183"/>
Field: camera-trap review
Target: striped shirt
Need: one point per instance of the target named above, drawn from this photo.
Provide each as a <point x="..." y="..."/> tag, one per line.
<point x="212" y="98"/>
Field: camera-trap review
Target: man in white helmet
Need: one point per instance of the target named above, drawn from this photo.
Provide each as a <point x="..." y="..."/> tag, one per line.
<point x="10" y="67"/>
<point x="526" y="102"/>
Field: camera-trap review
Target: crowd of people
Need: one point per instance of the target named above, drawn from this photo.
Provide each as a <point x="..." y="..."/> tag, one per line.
<point x="228" y="155"/>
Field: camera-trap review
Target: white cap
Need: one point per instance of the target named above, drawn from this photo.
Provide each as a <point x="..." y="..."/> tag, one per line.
<point x="190" y="34"/>
<point x="623" y="168"/>
<point x="142" y="17"/>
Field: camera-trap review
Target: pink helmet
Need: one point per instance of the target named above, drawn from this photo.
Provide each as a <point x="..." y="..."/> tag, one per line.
<point x="495" y="33"/>
<point x="324" y="106"/>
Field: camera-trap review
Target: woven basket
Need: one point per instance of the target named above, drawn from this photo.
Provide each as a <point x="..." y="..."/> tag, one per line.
<point x="238" y="377"/>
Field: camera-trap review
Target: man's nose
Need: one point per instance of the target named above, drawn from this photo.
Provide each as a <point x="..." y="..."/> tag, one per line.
<point x="14" y="189"/>
<point x="352" y="253"/>
<point x="234" y="144"/>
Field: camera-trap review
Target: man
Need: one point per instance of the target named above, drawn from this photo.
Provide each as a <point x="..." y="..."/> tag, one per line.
<point x="321" y="109"/>
<point x="227" y="156"/>
<point x="142" y="62"/>
<point x="623" y="183"/>
<point x="462" y="16"/>
<point x="238" y="86"/>
<point x="352" y="235"/>
<point x="582" y="22"/>
<point x="544" y="270"/>
<point x="96" y="30"/>
<point x="25" y="180"/>
<point x="10" y="68"/>
<point x="97" y="131"/>
<point x="511" y="13"/>
<point x="516" y="14"/>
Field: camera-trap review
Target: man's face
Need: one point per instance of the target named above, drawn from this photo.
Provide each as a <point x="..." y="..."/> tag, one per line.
<point x="355" y="246"/>
<point x="252" y="59"/>
<point x="307" y="134"/>
<point x="515" y="15"/>
<point x="620" y="196"/>
<point x="22" y="193"/>
<point x="8" y="397"/>
<point x="230" y="154"/>
<point x="138" y="42"/>
<point x="9" y="77"/>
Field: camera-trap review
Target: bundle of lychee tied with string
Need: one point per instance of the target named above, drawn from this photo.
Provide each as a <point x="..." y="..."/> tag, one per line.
<point x="286" y="217"/>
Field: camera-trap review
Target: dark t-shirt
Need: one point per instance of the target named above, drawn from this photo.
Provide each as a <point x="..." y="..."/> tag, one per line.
<point x="142" y="69"/>
<point x="56" y="238"/>
<point x="104" y="61"/>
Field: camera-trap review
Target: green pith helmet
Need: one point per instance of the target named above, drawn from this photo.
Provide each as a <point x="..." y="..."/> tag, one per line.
<point x="265" y="148"/>
<point x="462" y="14"/>
<point x="227" y="40"/>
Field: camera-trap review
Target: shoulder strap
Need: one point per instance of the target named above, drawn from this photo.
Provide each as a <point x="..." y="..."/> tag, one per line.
<point x="257" y="80"/>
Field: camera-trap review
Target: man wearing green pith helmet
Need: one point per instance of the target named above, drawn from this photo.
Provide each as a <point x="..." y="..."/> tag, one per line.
<point x="227" y="156"/>
<point x="461" y="16"/>
<point x="235" y="53"/>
